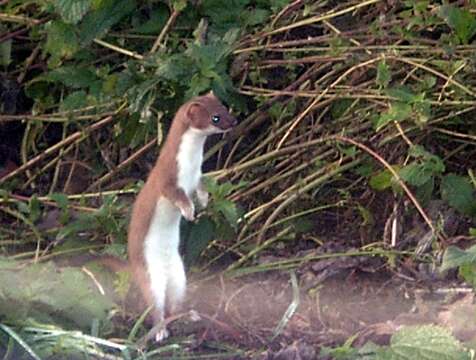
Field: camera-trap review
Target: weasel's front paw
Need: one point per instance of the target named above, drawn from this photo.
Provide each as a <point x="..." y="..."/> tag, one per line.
<point x="202" y="196"/>
<point x="188" y="212"/>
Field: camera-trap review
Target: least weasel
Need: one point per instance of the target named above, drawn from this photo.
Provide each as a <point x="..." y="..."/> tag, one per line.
<point x="153" y="237"/>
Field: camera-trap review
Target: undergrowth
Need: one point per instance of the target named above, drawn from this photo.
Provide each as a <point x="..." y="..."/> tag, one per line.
<point x="356" y="138"/>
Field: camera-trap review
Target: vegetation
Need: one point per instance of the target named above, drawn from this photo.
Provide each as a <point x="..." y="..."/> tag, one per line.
<point x="353" y="164"/>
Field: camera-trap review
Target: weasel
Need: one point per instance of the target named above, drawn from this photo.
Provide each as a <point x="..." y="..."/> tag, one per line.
<point x="153" y="236"/>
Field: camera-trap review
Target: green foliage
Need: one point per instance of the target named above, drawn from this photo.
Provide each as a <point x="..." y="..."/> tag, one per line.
<point x="384" y="75"/>
<point x="200" y="68"/>
<point x="72" y="11"/>
<point x="382" y="180"/>
<point x="464" y="260"/>
<point x="426" y="342"/>
<point x="459" y="193"/>
<point x="460" y="20"/>
<point x="96" y="23"/>
<point x="197" y="237"/>
<point x="423" y="169"/>
<point x="407" y="105"/>
<point x="108" y="219"/>
<point x="72" y="81"/>
<point x="48" y="295"/>
<point x="222" y="209"/>
<point x="62" y="41"/>
<point x="422" y="173"/>
<point x="233" y="14"/>
<point x="220" y="221"/>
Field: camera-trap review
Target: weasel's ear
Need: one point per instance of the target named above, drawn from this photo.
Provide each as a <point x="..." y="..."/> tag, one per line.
<point x="196" y="113"/>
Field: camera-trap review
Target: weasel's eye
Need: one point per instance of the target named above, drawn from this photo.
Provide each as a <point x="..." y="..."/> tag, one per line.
<point x="216" y="119"/>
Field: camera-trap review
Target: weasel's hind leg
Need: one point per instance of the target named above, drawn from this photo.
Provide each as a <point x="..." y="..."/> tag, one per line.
<point x="158" y="287"/>
<point x="176" y="284"/>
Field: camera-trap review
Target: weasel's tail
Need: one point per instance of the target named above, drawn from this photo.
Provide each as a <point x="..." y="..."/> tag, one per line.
<point x="113" y="263"/>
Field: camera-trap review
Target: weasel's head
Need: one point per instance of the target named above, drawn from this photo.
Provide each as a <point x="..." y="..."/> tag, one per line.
<point x="208" y="115"/>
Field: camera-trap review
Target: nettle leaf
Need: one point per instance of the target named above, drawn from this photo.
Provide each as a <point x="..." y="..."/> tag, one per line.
<point x="398" y="111"/>
<point x="402" y="93"/>
<point x="460" y="20"/>
<point x="381" y="181"/>
<point x="71" y="76"/>
<point x="427" y="342"/>
<point x="61" y="40"/>
<point x="96" y="23"/>
<point x="177" y="67"/>
<point x="424" y="191"/>
<point x="60" y="199"/>
<point x="432" y="161"/>
<point x="224" y="15"/>
<point x="197" y="238"/>
<point x="455" y="257"/>
<point x="416" y="174"/>
<point x="179" y="5"/>
<point x="157" y="19"/>
<point x="339" y="107"/>
<point x="458" y="192"/>
<point x="254" y="17"/>
<point x="35" y="208"/>
<point x="75" y="100"/>
<point x="72" y="11"/>
<point x="468" y="273"/>
<point x="228" y="209"/>
<point x="383" y="74"/>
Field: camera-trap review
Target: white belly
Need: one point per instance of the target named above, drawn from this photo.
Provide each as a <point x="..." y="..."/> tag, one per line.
<point x="162" y="258"/>
<point x="163" y="235"/>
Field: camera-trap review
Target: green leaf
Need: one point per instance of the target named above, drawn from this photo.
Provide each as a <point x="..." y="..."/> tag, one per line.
<point x="179" y="5"/>
<point x="72" y="76"/>
<point x="431" y="161"/>
<point x="35" y="208"/>
<point x="381" y="181"/>
<point x="255" y="16"/>
<point x="199" y="236"/>
<point x="427" y="342"/>
<point x="75" y="100"/>
<point x="402" y="94"/>
<point x="339" y="107"/>
<point x="72" y="11"/>
<point x="468" y="273"/>
<point x="96" y="23"/>
<point x="458" y="192"/>
<point x="157" y="19"/>
<point x="228" y="209"/>
<point x="398" y="111"/>
<point x="61" y="41"/>
<point x="455" y="257"/>
<point x="224" y="15"/>
<point x="415" y="174"/>
<point x="460" y="20"/>
<point x="61" y="199"/>
<point x="383" y="74"/>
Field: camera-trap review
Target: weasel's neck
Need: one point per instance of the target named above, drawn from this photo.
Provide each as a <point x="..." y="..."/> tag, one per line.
<point x="189" y="160"/>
